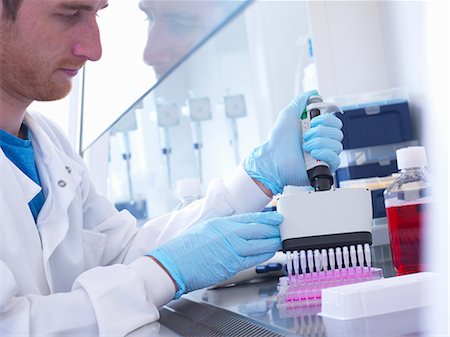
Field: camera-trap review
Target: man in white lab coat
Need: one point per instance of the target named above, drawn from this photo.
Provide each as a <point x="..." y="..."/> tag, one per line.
<point x="70" y="263"/>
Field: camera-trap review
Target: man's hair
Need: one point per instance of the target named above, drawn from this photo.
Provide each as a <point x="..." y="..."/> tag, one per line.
<point x="10" y="9"/>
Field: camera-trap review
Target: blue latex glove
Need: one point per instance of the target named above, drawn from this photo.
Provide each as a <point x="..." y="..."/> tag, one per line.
<point x="279" y="161"/>
<point x="217" y="249"/>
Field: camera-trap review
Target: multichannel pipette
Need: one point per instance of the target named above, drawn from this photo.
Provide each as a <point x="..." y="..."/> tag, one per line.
<point x="326" y="233"/>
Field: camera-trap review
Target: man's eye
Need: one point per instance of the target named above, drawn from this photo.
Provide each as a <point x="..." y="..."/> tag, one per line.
<point x="183" y="27"/>
<point x="70" y="15"/>
<point x="182" y="22"/>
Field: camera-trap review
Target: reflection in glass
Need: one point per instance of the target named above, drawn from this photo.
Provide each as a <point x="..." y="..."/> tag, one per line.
<point x="174" y="27"/>
<point x="189" y="128"/>
<point x="114" y="82"/>
<point x="159" y="33"/>
<point x="135" y="204"/>
<point x="204" y="117"/>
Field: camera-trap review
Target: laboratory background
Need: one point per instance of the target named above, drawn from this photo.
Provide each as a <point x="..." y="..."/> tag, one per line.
<point x="154" y="137"/>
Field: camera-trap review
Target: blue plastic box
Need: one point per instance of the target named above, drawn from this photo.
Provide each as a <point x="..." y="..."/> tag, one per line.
<point x="373" y="125"/>
<point x="374" y="169"/>
<point x="374" y="161"/>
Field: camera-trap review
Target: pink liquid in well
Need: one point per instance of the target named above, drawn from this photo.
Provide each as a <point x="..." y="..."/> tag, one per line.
<point x="307" y="287"/>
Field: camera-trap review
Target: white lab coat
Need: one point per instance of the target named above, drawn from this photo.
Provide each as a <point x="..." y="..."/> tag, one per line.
<point x="80" y="270"/>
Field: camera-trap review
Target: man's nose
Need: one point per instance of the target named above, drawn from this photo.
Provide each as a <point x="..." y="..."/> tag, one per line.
<point x="158" y="49"/>
<point x="88" y="45"/>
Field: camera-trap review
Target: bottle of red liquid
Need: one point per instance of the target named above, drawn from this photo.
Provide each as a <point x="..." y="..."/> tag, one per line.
<point x="407" y="201"/>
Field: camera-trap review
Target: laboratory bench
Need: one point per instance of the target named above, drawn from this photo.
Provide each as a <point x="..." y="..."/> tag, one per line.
<point x="251" y="310"/>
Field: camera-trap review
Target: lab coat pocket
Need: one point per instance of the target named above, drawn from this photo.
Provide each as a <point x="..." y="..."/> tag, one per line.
<point x="93" y="247"/>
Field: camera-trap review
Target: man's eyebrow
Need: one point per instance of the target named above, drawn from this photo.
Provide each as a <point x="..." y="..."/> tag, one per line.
<point x="80" y="6"/>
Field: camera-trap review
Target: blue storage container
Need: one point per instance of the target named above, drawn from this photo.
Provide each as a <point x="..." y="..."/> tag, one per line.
<point x="374" y="161"/>
<point x="375" y="169"/>
<point x="373" y="125"/>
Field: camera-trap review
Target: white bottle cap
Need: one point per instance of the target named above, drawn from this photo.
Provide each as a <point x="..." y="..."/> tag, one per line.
<point x="410" y="157"/>
<point x="188" y="188"/>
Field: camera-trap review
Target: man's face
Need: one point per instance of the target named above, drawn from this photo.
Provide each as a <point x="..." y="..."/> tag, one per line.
<point x="43" y="49"/>
<point x="175" y="27"/>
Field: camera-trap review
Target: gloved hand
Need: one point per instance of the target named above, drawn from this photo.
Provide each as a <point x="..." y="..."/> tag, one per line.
<point x="279" y="161"/>
<point x="216" y="250"/>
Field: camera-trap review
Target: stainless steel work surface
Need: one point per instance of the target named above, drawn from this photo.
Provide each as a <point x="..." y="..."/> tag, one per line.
<point x="250" y="310"/>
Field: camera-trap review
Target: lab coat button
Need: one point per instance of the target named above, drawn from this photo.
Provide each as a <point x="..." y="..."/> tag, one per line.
<point x="69" y="170"/>
<point x="62" y="183"/>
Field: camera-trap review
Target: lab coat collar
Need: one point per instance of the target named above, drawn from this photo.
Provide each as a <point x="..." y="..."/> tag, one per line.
<point x="46" y="146"/>
<point x="53" y="157"/>
<point x="29" y="188"/>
